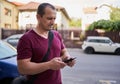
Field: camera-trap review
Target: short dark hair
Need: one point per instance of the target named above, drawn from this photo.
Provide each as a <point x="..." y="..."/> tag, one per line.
<point x="42" y="7"/>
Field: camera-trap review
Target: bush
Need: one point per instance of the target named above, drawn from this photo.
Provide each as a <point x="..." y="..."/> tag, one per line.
<point x="106" y="25"/>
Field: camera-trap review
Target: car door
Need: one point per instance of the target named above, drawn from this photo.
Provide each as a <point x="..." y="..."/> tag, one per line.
<point x="98" y="46"/>
<point x="95" y="43"/>
<point x="105" y="45"/>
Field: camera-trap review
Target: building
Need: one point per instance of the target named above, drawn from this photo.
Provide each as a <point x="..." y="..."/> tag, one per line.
<point x="9" y="14"/>
<point x="91" y="14"/>
<point x="27" y="16"/>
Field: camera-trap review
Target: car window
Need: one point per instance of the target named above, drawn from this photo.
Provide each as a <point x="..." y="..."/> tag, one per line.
<point x="13" y="40"/>
<point x="107" y="41"/>
<point x="15" y="36"/>
<point x="93" y="40"/>
<point x="6" y="50"/>
<point x="104" y="41"/>
<point x="99" y="40"/>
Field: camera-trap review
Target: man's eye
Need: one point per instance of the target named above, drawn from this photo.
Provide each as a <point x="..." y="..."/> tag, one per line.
<point x="50" y="18"/>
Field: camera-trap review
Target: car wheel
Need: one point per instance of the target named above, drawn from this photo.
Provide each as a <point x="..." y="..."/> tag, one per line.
<point x="117" y="51"/>
<point x="89" y="50"/>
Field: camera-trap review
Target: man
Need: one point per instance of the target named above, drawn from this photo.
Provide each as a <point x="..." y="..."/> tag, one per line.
<point x="33" y="46"/>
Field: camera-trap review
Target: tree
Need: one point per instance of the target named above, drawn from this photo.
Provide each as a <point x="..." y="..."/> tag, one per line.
<point x="75" y="23"/>
<point x="115" y="14"/>
<point x="106" y="25"/>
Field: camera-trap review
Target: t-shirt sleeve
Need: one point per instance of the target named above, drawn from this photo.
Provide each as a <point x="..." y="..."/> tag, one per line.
<point x="62" y="43"/>
<point x="24" y="49"/>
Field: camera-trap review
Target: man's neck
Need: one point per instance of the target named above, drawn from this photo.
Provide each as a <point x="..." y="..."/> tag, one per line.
<point x="41" y="32"/>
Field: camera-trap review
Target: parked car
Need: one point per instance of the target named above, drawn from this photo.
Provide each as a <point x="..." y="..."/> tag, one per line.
<point x="100" y="44"/>
<point x="13" y="39"/>
<point x="8" y="64"/>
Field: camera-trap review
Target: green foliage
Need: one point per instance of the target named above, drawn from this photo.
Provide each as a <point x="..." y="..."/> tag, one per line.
<point x="92" y="26"/>
<point x="116" y="25"/>
<point x="82" y="36"/>
<point x="115" y="14"/>
<point x="75" y="23"/>
<point x="106" y="25"/>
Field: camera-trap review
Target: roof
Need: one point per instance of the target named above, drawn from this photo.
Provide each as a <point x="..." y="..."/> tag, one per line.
<point x="17" y="3"/>
<point x="90" y="10"/>
<point x="64" y="12"/>
<point x="32" y="6"/>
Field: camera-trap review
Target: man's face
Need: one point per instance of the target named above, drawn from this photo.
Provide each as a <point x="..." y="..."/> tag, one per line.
<point x="46" y="22"/>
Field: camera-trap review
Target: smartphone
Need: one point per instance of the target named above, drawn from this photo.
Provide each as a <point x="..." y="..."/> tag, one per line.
<point x="69" y="60"/>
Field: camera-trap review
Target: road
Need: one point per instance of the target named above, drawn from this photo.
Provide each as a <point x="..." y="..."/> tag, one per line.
<point x="92" y="69"/>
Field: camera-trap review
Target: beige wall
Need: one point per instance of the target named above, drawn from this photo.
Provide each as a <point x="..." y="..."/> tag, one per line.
<point x="28" y="17"/>
<point x="10" y="20"/>
<point x="65" y="21"/>
<point x="62" y="21"/>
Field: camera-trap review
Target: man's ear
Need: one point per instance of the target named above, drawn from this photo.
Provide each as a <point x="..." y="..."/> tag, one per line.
<point x="38" y="16"/>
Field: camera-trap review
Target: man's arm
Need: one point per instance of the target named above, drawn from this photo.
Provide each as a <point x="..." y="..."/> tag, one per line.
<point x="65" y="55"/>
<point x="25" y="66"/>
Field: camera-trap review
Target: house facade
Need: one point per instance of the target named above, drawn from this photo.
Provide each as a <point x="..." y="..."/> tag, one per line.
<point x="8" y="15"/>
<point x="91" y="14"/>
<point x="27" y="16"/>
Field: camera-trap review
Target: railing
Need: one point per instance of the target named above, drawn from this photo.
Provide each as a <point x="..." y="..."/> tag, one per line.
<point x="71" y="37"/>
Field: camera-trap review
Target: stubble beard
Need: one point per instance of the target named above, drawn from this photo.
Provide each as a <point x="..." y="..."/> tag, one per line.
<point x="50" y="27"/>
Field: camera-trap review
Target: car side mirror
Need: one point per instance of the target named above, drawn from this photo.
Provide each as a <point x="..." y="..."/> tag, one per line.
<point x="110" y="43"/>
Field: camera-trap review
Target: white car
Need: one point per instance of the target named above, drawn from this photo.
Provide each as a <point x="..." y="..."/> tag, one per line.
<point x="100" y="44"/>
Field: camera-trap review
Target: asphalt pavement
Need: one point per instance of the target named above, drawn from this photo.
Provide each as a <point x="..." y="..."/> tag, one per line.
<point x="92" y="68"/>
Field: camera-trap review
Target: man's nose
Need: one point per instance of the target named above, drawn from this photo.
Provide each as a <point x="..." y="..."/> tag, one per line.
<point x="52" y="21"/>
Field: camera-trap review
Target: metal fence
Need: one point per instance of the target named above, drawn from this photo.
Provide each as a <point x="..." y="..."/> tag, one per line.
<point x="115" y="36"/>
<point x="72" y="38"/>
<point x="7" y="32"/>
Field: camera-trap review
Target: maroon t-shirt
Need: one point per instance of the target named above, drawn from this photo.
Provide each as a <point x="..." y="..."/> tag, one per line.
<point x="33" y="46"/>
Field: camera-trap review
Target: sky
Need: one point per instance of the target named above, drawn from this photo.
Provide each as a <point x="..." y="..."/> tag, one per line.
<point x="74" y="7"/>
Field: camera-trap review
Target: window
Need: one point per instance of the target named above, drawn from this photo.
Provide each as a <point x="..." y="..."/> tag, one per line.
<point x="99" y="40"/>
<point x="93" y="40"/>
<point x="107" y="41"/>
<point x="7" y="11"/>
<point x="7" y="25"/>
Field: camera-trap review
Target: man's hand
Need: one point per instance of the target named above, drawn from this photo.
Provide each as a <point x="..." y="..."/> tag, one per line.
<point x="57" y="63"/>
<point x="65" y="56"/>
<point x="70" y="61"/>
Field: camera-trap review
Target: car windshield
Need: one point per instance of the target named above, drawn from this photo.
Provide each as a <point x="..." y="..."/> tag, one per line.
<point x="6" y="50"/>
